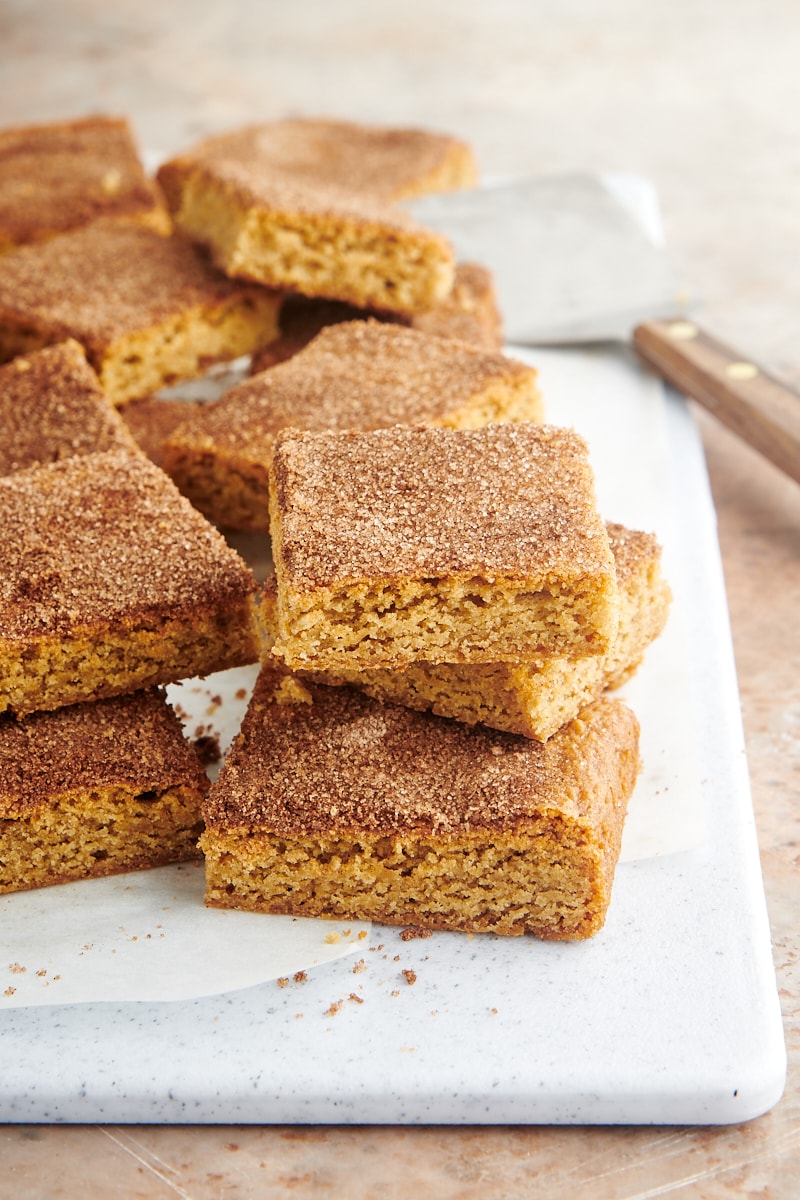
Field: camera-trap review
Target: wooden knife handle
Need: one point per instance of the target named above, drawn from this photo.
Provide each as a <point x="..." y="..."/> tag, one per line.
<point x="763" y="411"/>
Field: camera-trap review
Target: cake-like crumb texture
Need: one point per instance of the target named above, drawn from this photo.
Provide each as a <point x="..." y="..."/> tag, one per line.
<point x="645" y="600"/>
<point x="308" y="206"/>
<point x="468" y="313"/>
<point x="441" y="545"/>
<point x="534" y="698"/>
<point x="111" y="581"/>
<point x="336" y="805"/>
<point x="148" y="310"/>
<point x="59" y="176"/>
<point x="95" y="789"/>
<point x="52" y="407"/>
<point x="354" y="375"/>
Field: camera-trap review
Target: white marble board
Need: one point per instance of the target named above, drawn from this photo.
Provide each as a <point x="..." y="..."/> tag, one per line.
<point x="669" y="1015"/>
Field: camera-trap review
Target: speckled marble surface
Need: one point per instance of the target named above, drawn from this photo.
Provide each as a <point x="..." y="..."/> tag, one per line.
<point x="702" y="98"/>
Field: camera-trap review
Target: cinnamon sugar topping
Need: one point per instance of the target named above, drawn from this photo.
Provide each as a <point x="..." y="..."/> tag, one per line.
<point x="46" y="755"/>
<point x="509" y="500"/>
<point x="354" y="375"/>
<point x="102" y="539"/>
<point x="329" y="163"/>
<point x="52" y="407"/>
<point x="104" y="281"/>
<point x="346" y="764"/>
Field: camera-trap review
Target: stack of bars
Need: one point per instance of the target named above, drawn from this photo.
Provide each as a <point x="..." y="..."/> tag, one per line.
<point x="113" y="584"/>
<point x="429" y="742"/>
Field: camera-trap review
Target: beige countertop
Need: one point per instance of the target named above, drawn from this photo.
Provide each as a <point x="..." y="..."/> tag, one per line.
<point x="704" y="98"/>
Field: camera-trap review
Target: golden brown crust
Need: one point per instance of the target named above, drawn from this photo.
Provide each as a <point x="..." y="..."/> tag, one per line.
<point x="133" y="742"/>
<point x="106" y="282"/>
<point x="515" y="501"/>
<point x="284" y="159"/>
<point x="338" y="762"/>
<point x="354" y="375"/>
<point x="631" y="549"/>
<point x="52" y="407"/>
<point x="106" y="541"/>
<point x="59" y="176"/>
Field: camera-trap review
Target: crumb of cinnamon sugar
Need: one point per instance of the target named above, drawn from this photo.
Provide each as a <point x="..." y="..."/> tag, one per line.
<point x="9" y="991"/>
<point x="357" y="999"/>
<point x="410" y="976"/>
<point x="362" y="933"/>
<point x="396" y="958"/>
<point x="300" y="977"/>
<point x="283" y="981"/>
<point x="17" y="968"/>
<point x="241" y="693"/>
<point x="333" y="938"/>
<point x="359" y="967"/>
<point x="493" y="1011"/>
<point x="414" y="931"/>
<point x="41" y="973"/>
<point x="395" y="993"/>
<point x="207" y="748"/>
<point x="334" y="1008"/>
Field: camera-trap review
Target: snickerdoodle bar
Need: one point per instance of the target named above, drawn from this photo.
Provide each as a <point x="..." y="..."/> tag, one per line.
<point x="355" y="375"/>
<point x="441" y="545"/>
<point x="148" y="310"/>
<point x="310" y="206"/>
<point x="332" y="804"/>
<point x="532" y="698"/>
<point x="110" y="581"/>
<point x="95" y="789"/>
<point x="63" y="174"/>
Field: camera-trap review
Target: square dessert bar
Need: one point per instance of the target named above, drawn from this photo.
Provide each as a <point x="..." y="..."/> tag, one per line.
<point x="52" y="407"/>
<point x="444" y="545"/>
<point x="148" y="310"/>
<point x="95" y="789"/>
<point x="110" y="581"/>
<point x="59" y="176"/>
<point x="309" y="206"/>
<point x="534" y="698"/>
<point x="334" y="805"/>
<point x="355" y="375"/>
<point x="469" y="313"/>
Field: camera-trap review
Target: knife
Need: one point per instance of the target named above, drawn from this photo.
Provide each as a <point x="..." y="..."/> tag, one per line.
<point x="573" y="264"/>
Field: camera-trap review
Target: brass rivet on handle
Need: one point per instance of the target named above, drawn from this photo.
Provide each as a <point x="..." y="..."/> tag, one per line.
<point x="682" y="331"/>
<point x="741" y="370"/>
